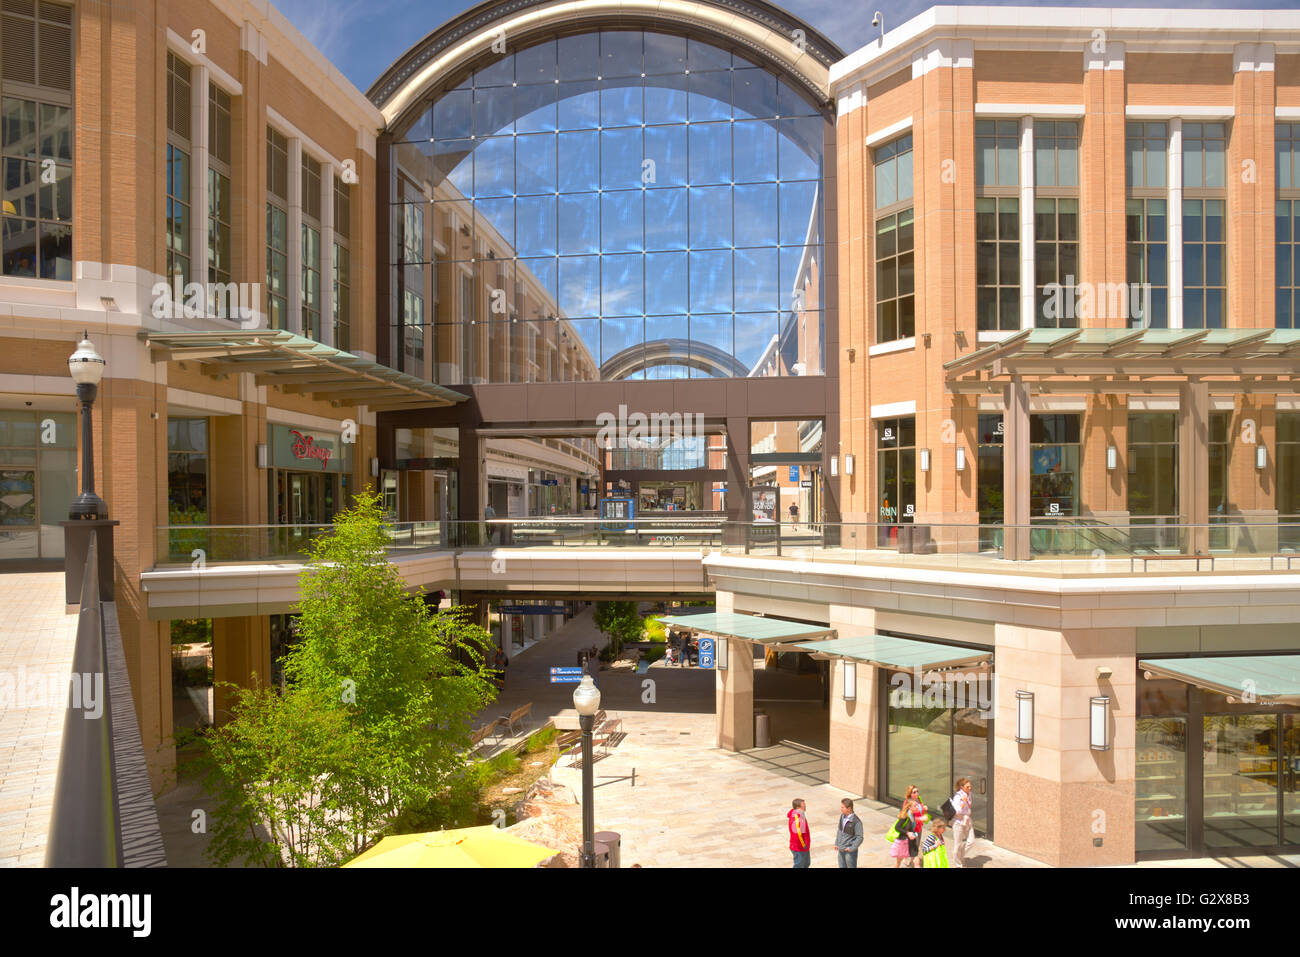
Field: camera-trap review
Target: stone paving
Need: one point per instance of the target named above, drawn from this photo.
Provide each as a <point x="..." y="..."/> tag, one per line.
<point x="37" y="638"/>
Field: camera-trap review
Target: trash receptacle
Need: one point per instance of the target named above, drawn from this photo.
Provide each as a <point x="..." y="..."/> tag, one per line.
<point x="612" y="841"/>
<point x="762" y="730"/>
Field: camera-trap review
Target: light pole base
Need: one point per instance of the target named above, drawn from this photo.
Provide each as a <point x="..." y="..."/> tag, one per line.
<point x="76" y="545"/>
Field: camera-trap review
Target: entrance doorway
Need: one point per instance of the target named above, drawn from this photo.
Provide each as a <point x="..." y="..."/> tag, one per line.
<point x="304" y="498"/>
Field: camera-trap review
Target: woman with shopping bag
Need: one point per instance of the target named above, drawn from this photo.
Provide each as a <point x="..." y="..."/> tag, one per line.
<point x="907" y="828"/>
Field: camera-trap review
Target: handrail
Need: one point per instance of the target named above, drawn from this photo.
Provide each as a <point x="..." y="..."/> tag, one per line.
<point x="84" y="821"/>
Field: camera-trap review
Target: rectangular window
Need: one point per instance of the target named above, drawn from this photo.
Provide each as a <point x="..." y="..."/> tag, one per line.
<point x="187" y="471"/>
<point x="277" y="230"/>
<point x="1204" y="264"/>
<point x="1205" y="147"/>
<point x="1288" y="226"/>
<point x="895" y="277"/>
<point x="36" y="137"/>
<point x="342" y="265"/>
<point x="997" y="262"/>
<point x="310" y="319"/>
<point x="1056" y="261"/>
<point x="1054" y="479"/>
<point x="1148" y="155"/>
<point x="177" y="209"/>
<point x="895" y="475"/>
<point x="1056" y="154"/>
<point x="997" y="153"/>
<point x="220" y="256"/>
<point x="1147" y="235"/>
<point x="1288" y="479"/>
<point x="1152" y="465"/>
<point x="893" y="166"/>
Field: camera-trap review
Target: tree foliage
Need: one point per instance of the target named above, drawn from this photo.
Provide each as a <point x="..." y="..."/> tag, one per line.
<point x="620" y="620"/>
<point x="375" y="719"/>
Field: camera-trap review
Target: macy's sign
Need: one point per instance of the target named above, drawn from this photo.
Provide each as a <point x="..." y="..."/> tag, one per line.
<point x="305" y="447"/>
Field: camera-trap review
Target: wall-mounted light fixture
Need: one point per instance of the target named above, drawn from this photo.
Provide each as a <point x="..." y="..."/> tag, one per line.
<point x="1261" y="456"/>
<point x="1024" y="717"/>
<point x="848" y="464"/>
<point x="925" y="460"/>
<point x="720" y="653"/>
<point x="1112" y="458"/>
<point x="961" y="459"/>
<point x="1099" y="723"/>
<point x="262" y="458"/>
<point x="850" y="680"/>
<point x="835" y="466"/>
<point x="374" y="468"/>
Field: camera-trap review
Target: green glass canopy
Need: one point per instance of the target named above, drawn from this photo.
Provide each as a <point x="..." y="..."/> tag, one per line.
<point x="755" y="628"/>
<point x="1271" y="679"/>
<point x="889" y="651"/>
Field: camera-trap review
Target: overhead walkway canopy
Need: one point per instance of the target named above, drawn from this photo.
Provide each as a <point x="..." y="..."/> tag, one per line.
<point x="301" y="365"/>
<point x="769" y="632"/>
<point x="889" y="651"/>
<point x="1271" y="679"/>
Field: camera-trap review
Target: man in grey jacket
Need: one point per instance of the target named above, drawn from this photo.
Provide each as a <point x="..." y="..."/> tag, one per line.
<point x="848" y="838"/>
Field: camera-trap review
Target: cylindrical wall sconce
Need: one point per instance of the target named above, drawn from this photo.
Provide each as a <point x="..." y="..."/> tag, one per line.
<point x="1099" y="723"/>
<point x="850" y="680"/>
<point x="961" y="459"/>
<point x="1261" y="456"/>
<point x="835" y="466"/>
<point x="925" y="460"/>
<point x="720" y="653"/>
<point x="1024" y="717"/>
<point x="262" y="457"/>
<point x="1112" y="458"/>
<point x="848" y="464"/>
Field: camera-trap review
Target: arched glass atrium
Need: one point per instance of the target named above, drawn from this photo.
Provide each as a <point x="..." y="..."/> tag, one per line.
<point x="609" y="205"/>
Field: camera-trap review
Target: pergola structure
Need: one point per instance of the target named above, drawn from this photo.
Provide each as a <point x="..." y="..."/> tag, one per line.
<point x="1188" y="363"/>
<point x="302" y="366"/>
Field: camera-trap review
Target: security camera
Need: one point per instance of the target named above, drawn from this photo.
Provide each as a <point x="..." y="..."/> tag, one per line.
<point x="875" y="21"/>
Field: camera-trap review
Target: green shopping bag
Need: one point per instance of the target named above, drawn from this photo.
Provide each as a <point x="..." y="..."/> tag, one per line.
<point x="897" y="831"/>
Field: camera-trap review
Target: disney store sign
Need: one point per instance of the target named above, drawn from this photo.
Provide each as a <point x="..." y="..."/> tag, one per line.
<point x="306" y="447"/>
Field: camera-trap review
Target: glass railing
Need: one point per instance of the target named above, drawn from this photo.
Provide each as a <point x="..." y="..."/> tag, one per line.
<point x="1065" y="545"/>
<point x="233" y="544"/>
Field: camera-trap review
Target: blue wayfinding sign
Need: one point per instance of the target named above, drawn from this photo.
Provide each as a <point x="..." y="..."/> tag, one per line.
<point x="562" y="676"/>
<point x="794" y="473"/>
<point x="706" y="652"/>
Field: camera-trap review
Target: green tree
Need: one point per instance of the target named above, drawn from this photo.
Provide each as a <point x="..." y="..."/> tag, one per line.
<point x="375" y="719"/>
<point x="620" y="621"/>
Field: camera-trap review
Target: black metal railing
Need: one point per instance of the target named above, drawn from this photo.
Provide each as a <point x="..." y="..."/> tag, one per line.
<point x="84" y="828"/>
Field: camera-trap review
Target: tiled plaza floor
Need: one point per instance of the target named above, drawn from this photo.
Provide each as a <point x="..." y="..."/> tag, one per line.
<point x="37" y="637"/>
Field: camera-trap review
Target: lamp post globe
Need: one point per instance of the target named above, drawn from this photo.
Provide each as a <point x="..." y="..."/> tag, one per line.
<point x="586" y="701"/>
<point x="86" y="366"/>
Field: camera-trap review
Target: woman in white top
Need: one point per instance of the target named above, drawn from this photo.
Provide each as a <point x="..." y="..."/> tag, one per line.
<point x="963" y="832"/>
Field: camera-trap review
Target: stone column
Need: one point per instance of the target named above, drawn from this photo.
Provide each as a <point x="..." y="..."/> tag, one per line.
<point x="738" y="508"/>
<point x="1015" y="471"/>
<point x="855" y="726"/>
<point x="1194" y="465"/>
<point x="241" y="655"/>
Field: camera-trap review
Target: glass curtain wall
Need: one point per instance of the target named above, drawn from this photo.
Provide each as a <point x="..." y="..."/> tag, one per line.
<point x="612" y="205"/>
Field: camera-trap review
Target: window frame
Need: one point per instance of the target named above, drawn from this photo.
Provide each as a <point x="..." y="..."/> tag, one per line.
<point x="220" y="229"/>
<point x="179" y="147"/>
<point x="310" y="235"/>
<point x="1203" y="194"/>
<point x="277" y="204"/>
<point x="1290" y="195"/>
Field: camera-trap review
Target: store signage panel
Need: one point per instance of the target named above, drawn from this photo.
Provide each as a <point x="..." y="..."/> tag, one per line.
<point x="308" y="450"/>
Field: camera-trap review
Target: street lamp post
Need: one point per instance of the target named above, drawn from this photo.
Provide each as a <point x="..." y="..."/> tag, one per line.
<point x="586" y="700"/>
<point x="87" y="367"/>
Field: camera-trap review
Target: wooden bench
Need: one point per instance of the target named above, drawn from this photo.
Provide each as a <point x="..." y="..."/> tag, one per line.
<point x="604" y="729"/>
<point x="515" y="719"/>
<point x="1287" y="556"/>
<point x="482" y="734"/>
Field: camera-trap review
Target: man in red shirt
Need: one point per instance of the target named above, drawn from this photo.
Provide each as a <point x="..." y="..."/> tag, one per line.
<point x="800" y="839"/>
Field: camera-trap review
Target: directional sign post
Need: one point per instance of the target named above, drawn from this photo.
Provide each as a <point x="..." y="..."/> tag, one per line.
<point x="706" y="652"/>
<point x="566" y="676"/>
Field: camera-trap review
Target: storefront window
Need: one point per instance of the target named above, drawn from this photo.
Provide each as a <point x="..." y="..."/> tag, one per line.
<point x="38" y="478"/>
<point x="895" y="475"/>
<point x="989" y="479"/>
<point x="1054" y="465"/>
<point x="187" y="471"/>
<point x="1153" y="474"/>
<point x="1288" y="479"/>
<point x="1241" y="780"/>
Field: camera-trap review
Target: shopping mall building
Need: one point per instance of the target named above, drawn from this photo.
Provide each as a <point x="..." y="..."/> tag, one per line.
<point x="976" y="349"/>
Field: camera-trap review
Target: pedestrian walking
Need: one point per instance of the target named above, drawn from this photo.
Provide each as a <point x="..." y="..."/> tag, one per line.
<point x="911" y="815"/>
<point x="794" y="515"/>
<point x="963" y="832"/>
<point x="849" y="836"/>
<point x="800" y="837"/>
<point x="500" y="665"/>
<point x="934" y="853"/>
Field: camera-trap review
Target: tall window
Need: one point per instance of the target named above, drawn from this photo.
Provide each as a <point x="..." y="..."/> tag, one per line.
<point x="1152" y="465"/>
<point x="1220" y="447"/>
<point x="1147" y="224"/>
<point x="1054" y="479"/>
<point x="36" y="139"/>
<point x="1288" y="478"/>
<point x="178" y="171"/>
<point x="1288" y="226"/>
<point x="412" y="278"/>
<point x="997" y="224"/>
<point x="311" y="253"/>
<point x="219" y="203"/>
<point x="277" y="230"/>
<point x="187" y="471"/>
<point x="895" y="474"/>
<point x="1204" y="226"/>
<point x="1056" y="221"/>
<point x="895" y="242"/>
<point x="342" y="265"/>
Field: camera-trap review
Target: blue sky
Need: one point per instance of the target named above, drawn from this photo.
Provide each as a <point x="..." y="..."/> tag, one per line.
<point x="362" y="37"/>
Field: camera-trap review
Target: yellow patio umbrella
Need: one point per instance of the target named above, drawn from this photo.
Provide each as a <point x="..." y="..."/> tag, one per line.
<point x="487" y="846"/>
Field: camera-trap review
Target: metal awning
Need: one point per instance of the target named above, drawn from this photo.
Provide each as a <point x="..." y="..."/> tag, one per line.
<point x="1118" y="360"/>
<point x="889" y="651"/>
<point x="302" y="366"/>
<point x="1271" y="679"/>
<point x="755" y="628"/>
